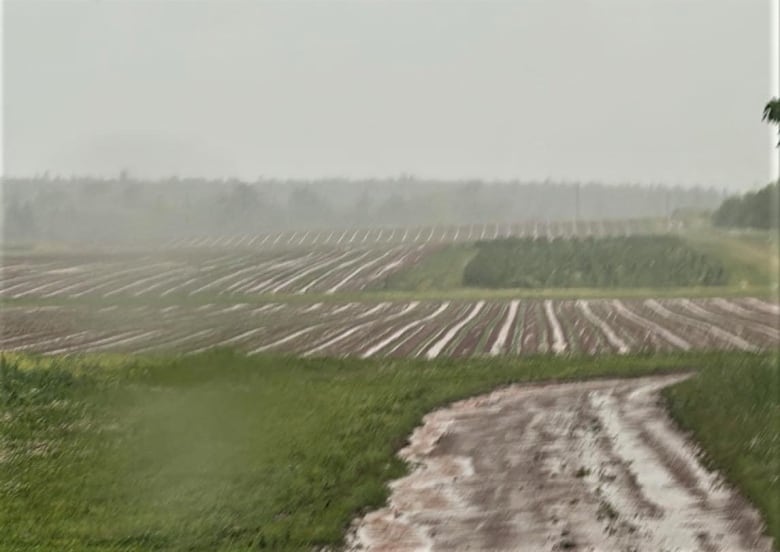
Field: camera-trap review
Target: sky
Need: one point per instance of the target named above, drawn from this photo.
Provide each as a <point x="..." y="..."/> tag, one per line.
<point x="650" y="91"/>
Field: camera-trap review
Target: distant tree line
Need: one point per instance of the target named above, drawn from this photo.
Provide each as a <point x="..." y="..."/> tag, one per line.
<point x="128" y="209"/>
<point x="750" y="210"/>
<point x="753" y="209"/>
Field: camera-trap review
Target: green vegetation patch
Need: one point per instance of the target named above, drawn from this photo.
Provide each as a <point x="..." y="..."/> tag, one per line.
<point x="442" y="269"/>
<point x="220" y="451"/>
<point x="633" y="261"/>
<point x="733" y="411"/>
<point x="750" y="257"/>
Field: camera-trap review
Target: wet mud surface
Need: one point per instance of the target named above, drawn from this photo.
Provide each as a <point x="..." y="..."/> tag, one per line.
<point x="592" y="466"/>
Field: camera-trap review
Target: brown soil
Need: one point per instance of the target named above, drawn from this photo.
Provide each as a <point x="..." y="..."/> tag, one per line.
<point x="576" y="466"/>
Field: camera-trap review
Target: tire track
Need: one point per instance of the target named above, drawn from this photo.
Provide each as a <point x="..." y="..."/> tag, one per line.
<point x="593" y="465"/>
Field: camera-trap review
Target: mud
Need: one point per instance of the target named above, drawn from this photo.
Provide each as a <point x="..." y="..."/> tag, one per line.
<point x="577" y="466"/>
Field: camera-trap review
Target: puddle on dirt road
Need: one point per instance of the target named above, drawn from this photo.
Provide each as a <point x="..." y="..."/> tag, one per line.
<point x="591" y="465"/>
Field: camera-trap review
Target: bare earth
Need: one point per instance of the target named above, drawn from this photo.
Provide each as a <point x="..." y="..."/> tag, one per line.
<point x="576" y="466"/>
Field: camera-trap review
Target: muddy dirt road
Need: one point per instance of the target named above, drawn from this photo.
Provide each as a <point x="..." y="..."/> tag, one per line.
<point x="577" y="466"/>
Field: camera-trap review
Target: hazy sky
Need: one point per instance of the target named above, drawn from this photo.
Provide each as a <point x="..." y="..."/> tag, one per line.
<point x="642" y="90"/>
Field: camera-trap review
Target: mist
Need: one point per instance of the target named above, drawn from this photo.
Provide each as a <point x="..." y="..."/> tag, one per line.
<point x="397" y="275"/>
<point x="605" y="91"/>
<point x="129" y="210"/>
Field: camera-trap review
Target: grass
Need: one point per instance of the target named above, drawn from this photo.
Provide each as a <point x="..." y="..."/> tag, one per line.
<point x="733" y="411"/>
<point x="220" y="451"/>
<point x="750" y="257"/>
<point x="443" y="269"/>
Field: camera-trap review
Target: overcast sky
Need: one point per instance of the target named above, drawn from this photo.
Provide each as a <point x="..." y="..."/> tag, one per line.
<point x="641" y="90"/>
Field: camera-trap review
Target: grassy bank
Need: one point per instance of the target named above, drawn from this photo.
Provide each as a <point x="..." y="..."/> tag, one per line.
<point x="733" y="411"/>
<point x="224" y="452"/>
<point x="440" y="270"/>
<point x="750" y="257"/>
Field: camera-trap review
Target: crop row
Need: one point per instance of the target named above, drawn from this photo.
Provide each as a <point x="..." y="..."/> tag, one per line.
<point x="629" y="261"/>
<point x="182" y="274"/>
<point x="427" y="329"/>
<point x="354" y="237"/>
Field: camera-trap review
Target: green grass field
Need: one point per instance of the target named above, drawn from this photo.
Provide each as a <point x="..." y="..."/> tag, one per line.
<point x="751" y="257"/>
<point x="440" y="270"/>
<point x="225" y="452"/>
<point x="733" y="411"/>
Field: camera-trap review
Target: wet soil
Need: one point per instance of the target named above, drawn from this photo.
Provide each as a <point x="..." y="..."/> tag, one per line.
<point x="592" y="465"/>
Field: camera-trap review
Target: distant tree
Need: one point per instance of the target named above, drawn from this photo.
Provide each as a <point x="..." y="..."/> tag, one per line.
<point x="363" y="209"/>
<point x="19" y="223"/>
<point x="307" y="206"/>
<point x="92" y="188"/>
<point x="240" y="204"/>
<point x="392" y="210"/>
<point x="131" y="194"/>
<point x="751" y="210"/>
<point x="468" y="201"/>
